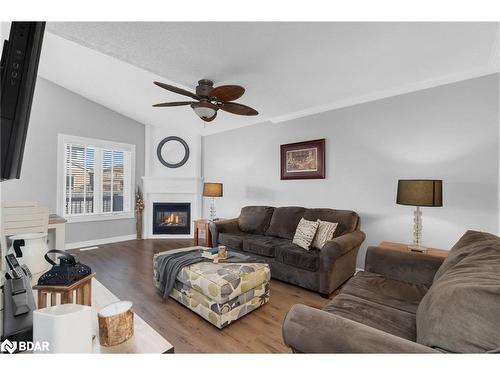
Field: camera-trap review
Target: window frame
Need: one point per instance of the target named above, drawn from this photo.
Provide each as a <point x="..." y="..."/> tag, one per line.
<point x="128" y="186"/>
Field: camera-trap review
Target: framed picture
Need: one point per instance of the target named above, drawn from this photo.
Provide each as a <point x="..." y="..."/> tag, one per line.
<point x="303" y="160"/>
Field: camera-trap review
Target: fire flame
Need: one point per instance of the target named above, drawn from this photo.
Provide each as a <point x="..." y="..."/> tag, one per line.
<point x="171" y="219"/>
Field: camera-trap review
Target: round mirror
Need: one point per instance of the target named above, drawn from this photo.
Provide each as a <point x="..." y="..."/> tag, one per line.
<point x="173" y="152"/>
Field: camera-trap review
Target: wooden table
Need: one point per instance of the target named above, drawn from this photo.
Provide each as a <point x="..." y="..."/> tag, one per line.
<point x="201" y="226"/>
<point x="404" y="247"/>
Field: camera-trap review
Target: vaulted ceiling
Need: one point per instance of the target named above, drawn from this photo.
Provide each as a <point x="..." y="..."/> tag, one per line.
<point x="288" y="69"/>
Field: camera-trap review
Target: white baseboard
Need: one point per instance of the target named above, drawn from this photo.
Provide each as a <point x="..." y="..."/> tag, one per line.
<point x="100" y="241"/>
<point x="359" y="269"/>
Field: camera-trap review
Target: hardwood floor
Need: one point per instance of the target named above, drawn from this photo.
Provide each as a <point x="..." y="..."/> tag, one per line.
<point x="126" y="269"/>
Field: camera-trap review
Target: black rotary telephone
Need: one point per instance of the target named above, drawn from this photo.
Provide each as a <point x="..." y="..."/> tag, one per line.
<point x="68" y="271"/>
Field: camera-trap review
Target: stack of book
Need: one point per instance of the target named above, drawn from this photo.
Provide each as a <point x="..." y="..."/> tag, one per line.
<point x="210" y="253"/>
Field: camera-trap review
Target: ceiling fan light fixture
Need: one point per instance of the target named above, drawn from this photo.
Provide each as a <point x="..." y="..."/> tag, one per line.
<point x="204" y="110"/>
<point x="210" y="99"/>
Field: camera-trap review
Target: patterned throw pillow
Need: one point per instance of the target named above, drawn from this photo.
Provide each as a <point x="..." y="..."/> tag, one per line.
<point x="324" y="233"/>
<point x="304" y="234"/>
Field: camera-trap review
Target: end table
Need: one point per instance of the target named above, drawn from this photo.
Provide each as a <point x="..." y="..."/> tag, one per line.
<point x="404" y="247"/>
<point x="201" y="227"/>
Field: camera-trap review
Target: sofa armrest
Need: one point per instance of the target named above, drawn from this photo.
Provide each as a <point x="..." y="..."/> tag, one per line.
<point x="337" y="261"/>
<point x="226" y="226"/>
<point x="338" y="246"/>
<point x="309" y="330"/>
<point x="412" y="267"/>
<point x="222" y="226"/>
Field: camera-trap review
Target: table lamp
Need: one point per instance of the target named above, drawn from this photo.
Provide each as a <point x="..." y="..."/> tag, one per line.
<point x="419" y="193"/>
<point x="212" y="190"/>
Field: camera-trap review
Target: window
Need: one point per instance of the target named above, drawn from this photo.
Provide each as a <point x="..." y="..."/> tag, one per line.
<point x="95" y="179"/>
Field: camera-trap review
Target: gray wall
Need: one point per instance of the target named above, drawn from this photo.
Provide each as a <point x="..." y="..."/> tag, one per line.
<point x="56" y="110"/>
<point x="449" y="132"/>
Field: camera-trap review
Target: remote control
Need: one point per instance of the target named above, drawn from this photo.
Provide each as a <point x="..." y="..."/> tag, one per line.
<point x="13" y="264"/>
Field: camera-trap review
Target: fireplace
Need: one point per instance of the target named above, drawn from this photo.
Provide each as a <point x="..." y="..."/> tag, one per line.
<point x="171" y="218"/>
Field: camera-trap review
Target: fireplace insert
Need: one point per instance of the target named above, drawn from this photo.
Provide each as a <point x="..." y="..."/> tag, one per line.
<point x="171" y="218"/>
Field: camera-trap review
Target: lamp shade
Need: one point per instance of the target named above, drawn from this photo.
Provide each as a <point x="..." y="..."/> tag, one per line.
<point x="426" y="193"/>
<point x="204" y="110"/>
<point x="212" y="189"/>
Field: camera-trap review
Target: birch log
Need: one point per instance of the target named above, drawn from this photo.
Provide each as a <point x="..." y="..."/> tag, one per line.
<point x="116" y="323"/>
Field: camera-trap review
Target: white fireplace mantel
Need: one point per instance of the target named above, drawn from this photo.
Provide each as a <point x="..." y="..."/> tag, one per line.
<point x="170" y="190"/>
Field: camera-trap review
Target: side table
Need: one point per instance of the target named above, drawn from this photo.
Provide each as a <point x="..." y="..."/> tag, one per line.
<point x="404" y="247"/>
<point x="201" y="227"/>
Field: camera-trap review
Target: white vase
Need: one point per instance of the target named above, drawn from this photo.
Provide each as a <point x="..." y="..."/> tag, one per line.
<point x="63" y="329"/>
<point x="34" y="249"/>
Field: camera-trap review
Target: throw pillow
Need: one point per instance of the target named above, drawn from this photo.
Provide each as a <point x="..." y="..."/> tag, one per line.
<point x="305" y="232"/>
<point x="324" y="233"/>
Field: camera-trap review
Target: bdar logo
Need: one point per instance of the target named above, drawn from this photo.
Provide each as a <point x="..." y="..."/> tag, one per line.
<point x="8" y="346"/>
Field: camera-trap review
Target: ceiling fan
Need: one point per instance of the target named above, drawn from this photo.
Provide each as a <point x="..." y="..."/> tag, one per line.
<point x="210" y="99"/>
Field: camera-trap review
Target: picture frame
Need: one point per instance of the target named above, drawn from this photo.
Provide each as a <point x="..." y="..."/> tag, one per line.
<point x="303" y="160"/>
<point x="165" y="144"/>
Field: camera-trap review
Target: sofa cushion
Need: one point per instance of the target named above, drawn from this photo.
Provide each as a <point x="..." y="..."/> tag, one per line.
<point x="262" y="245"/>
<point x="393" y="293"/>
<point x="284" y="221"/>
<point x="296" y="256"/>
<point x="255" y="219"/>
<point x="347" y="220"/>
<point x="232" y="240"/>
<point x="466" y="245"/>
<point x="460" y="312"/>
<point x="385" y="318"/>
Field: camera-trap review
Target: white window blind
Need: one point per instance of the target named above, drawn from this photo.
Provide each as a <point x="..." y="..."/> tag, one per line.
<point x="80" y="179"/>
<point x="97" y="178"/>
<point x="112" y="181"/>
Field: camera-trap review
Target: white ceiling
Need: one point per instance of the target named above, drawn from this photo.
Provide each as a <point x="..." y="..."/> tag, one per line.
<point x="288" y="69"/>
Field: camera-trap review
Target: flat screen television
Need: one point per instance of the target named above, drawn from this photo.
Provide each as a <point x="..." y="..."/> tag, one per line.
<point x="18" y="67"/>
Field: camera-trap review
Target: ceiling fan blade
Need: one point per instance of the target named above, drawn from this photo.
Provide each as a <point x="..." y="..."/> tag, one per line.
<point x="238" y="109"/>
<point x="227" y="93"/>
<point x="177" y="90"/>
<point x="172" y="104"/>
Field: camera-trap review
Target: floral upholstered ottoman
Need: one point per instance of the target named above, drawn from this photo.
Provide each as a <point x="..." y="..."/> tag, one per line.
<point x="221" y="292"/>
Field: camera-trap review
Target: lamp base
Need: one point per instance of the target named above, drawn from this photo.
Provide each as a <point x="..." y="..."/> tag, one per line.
<point x="417" y="232"/>
<point x="212" y="209"/>
<point x="417" y="248"/>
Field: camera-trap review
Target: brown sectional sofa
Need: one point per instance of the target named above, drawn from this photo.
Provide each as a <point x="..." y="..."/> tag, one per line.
<point x="410" y="303"/>
<point x="267" y="232"/>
